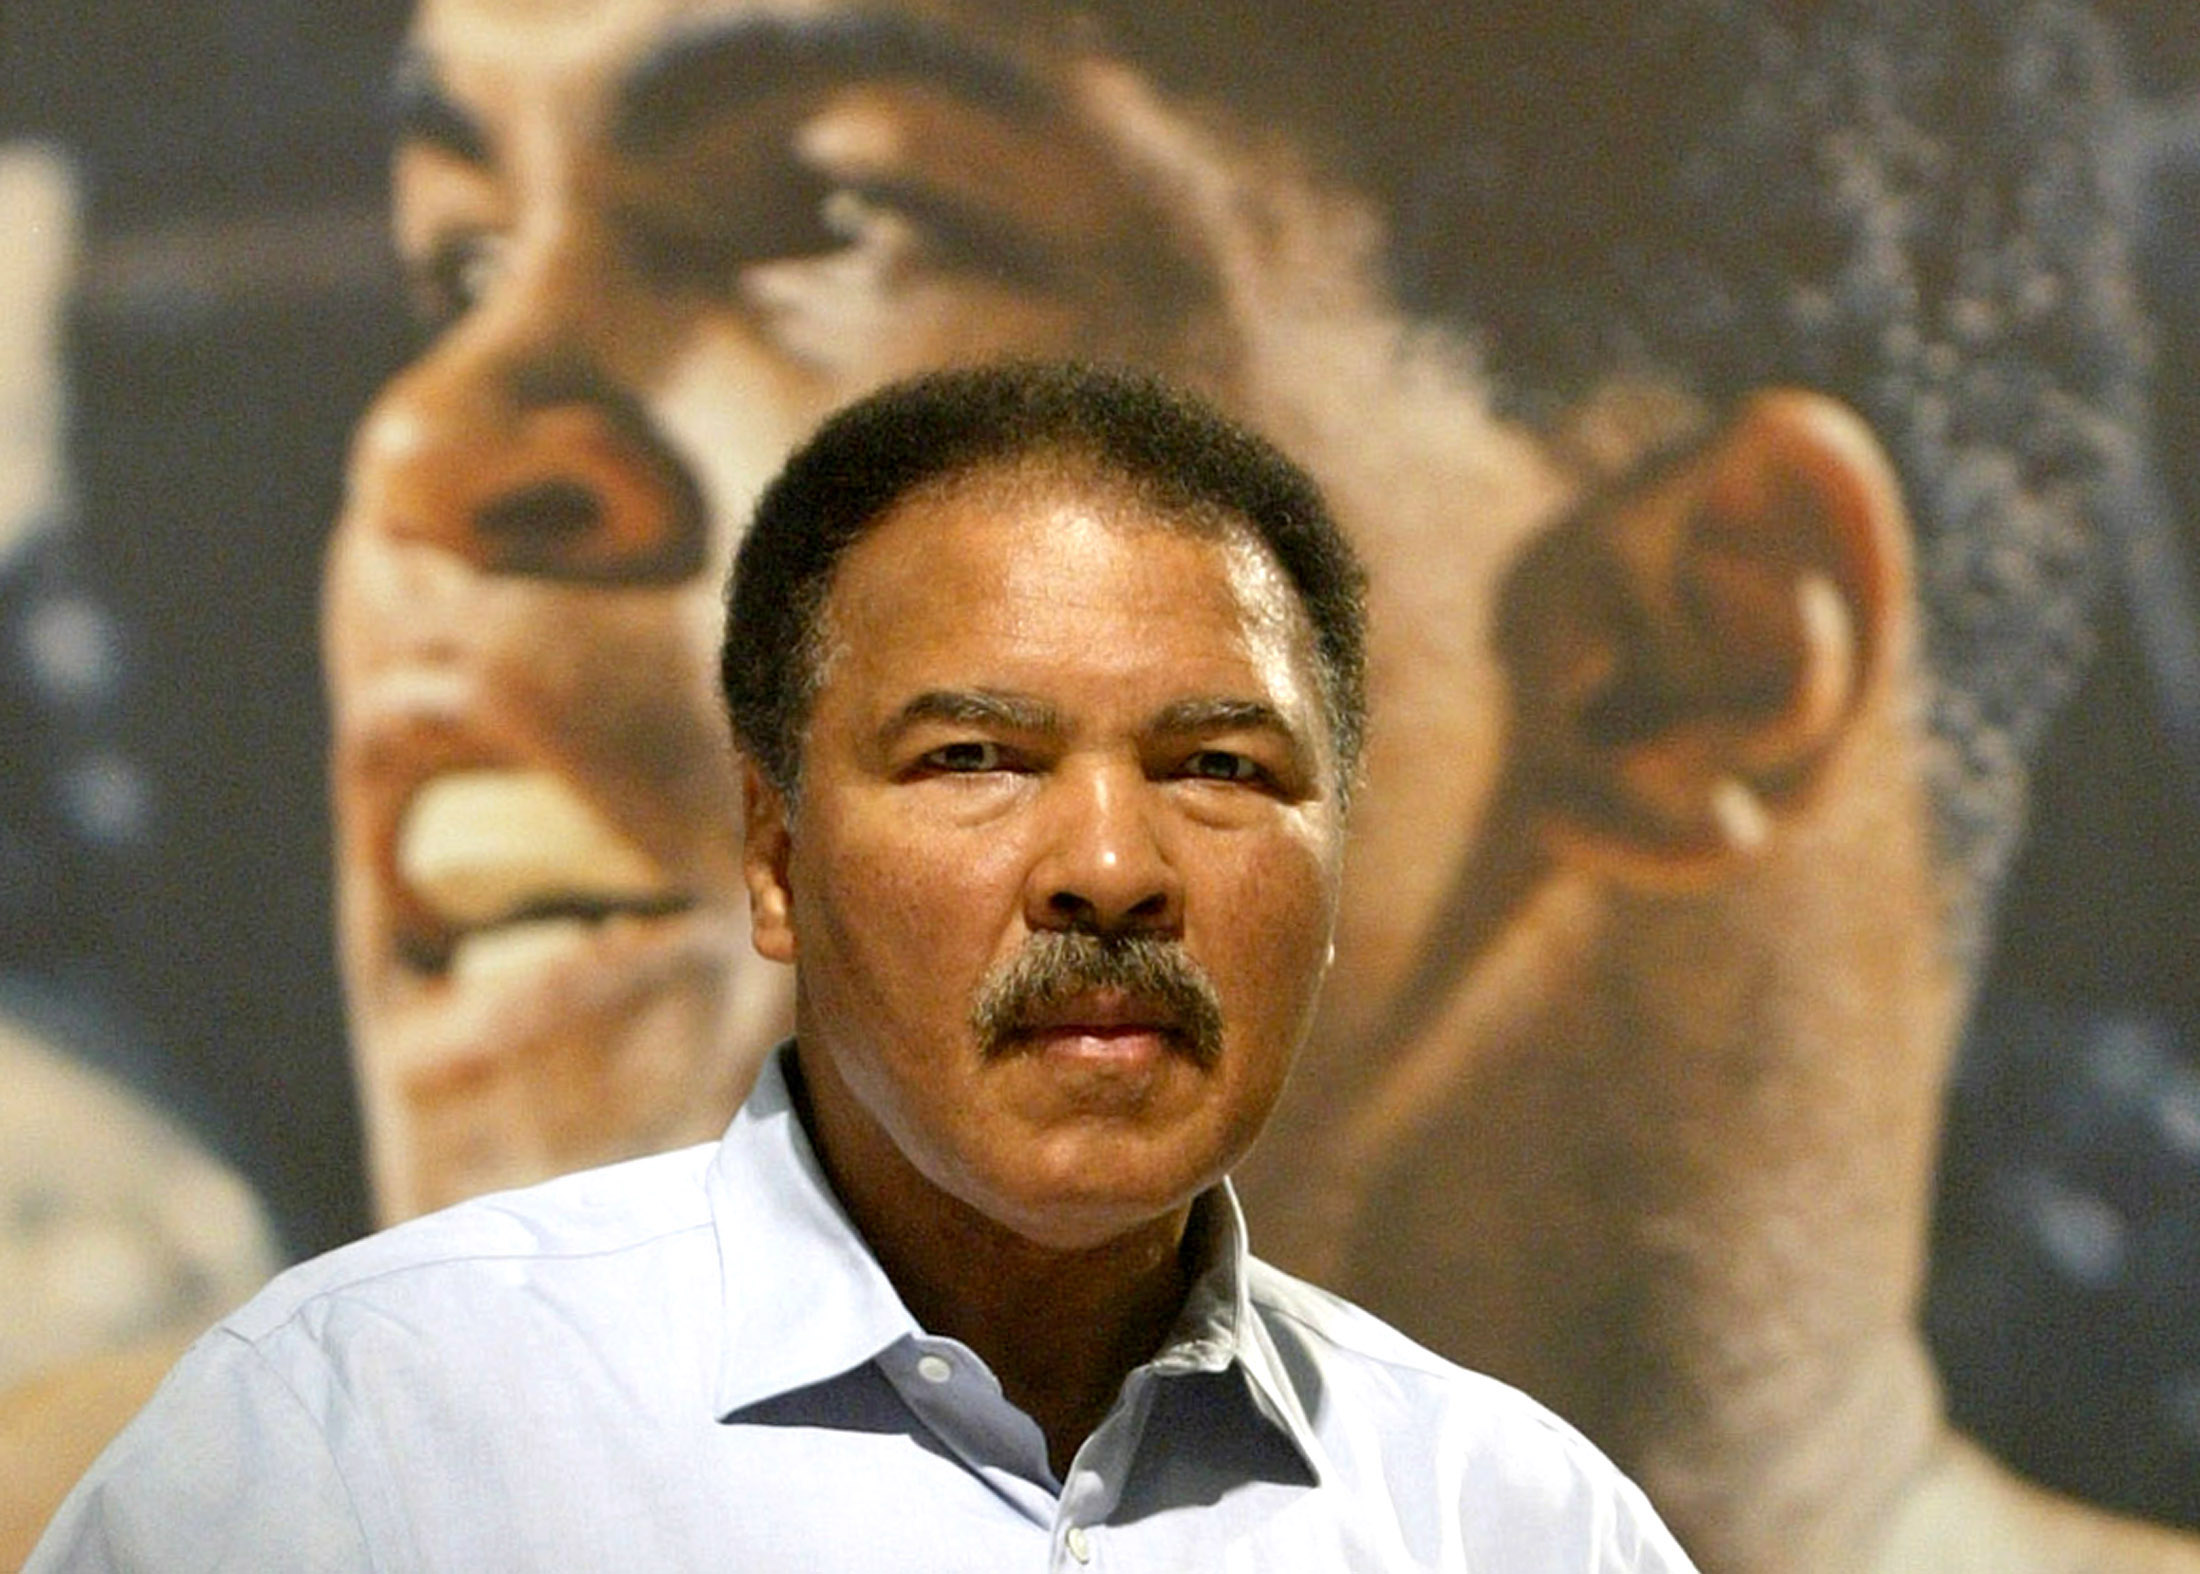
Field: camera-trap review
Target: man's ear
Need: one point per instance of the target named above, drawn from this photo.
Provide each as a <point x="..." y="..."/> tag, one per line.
<point x="1690" y="653"/>
<point x="765" y="849"/>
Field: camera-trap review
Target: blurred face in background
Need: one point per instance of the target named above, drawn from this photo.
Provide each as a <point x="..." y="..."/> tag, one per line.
<point x="651" y="244"/>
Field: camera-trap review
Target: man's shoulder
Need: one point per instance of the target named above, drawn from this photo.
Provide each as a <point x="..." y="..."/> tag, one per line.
<point x="542" y="1336"/>
<point x="1344" y="1339"/>
<point x="1347" y="1329"/>
<point x="1530" y="1490"/>
<point x="584" y="1223"/>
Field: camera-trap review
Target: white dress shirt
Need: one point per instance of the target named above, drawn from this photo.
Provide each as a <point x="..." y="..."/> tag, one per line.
<point x="693" y="1361"/>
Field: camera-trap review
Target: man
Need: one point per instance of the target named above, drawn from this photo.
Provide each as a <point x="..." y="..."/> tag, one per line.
<point x="1053" y="683"/>
<point x="1682" y="827"/>
<point x="1625" y="1083"/>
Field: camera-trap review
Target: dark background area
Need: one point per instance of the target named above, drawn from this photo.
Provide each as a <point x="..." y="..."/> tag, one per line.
<point x="2065" y="1301"/>
<point x="235" y="310"/>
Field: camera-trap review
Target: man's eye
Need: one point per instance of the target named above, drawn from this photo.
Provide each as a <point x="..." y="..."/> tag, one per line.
<point x="909" y="221"/>
<point x="849" y="217"/>
<point x="966" y="758"/>
<point x="807" y="217"/>
<point x="1222" y="765"/>
<point x="454" y="277"/>
<point x="714" y="229"/>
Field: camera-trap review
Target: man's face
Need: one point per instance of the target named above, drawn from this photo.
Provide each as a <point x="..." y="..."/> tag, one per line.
<point x="654" y="241"/>
<point x="1051" y="715"/>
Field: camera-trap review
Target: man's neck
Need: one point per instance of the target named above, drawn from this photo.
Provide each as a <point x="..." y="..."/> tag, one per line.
<point x="1060" y="1328"/>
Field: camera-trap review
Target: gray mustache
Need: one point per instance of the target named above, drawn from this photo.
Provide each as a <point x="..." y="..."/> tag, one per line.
<point x="1055" y="967"/>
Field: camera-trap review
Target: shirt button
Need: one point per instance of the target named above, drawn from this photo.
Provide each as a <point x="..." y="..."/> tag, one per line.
<point x="934" y="1368"/>
<point x="1080" y="1544"/>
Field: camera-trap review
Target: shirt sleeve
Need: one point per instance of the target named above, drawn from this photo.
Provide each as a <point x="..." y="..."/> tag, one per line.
<point x="225" y="1469"/>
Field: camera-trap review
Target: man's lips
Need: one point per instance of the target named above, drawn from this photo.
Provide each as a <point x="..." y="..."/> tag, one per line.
<point x="1102" y="1018"/>
<point x="507" y="870"/>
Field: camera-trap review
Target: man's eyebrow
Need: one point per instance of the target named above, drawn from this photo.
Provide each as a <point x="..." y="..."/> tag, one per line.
<point x="719" y="65"/>
<point x="1222" y="715"/>
<point x="421" y="110"/>
<point x="975" y="708"/>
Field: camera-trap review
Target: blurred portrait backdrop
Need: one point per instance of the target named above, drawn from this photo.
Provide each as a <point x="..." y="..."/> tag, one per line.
<point x="1766" y="1014"/>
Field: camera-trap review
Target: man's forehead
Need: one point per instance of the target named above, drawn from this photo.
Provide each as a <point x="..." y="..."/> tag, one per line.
<point x="915" y="36"/>
<point x="952" y="567"/>
<point x="637" y="74"/>
<point x="1058" y="508"/>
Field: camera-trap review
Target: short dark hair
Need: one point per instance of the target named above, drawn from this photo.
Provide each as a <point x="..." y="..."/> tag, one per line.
<point x="1162" y="444"/>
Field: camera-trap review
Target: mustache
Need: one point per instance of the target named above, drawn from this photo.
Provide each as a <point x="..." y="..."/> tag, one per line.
<point x="1055" y="967"/>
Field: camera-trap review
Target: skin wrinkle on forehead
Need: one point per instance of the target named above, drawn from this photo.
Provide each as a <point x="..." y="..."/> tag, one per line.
<point x="711" y="68"/>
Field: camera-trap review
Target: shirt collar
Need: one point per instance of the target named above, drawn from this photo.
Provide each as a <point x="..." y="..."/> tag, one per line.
<point x="1219" y="1327"/>
<point x="806" y="1301"/>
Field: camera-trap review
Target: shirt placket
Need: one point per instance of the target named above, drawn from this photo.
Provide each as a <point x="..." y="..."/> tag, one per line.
<point x="949" y="1389"/>
<point x="1083" y="1539"/>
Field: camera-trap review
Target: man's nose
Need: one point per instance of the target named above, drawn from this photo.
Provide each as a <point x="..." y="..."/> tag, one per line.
<point x="509" y="445"/>
<point x="1104" y="865"/>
